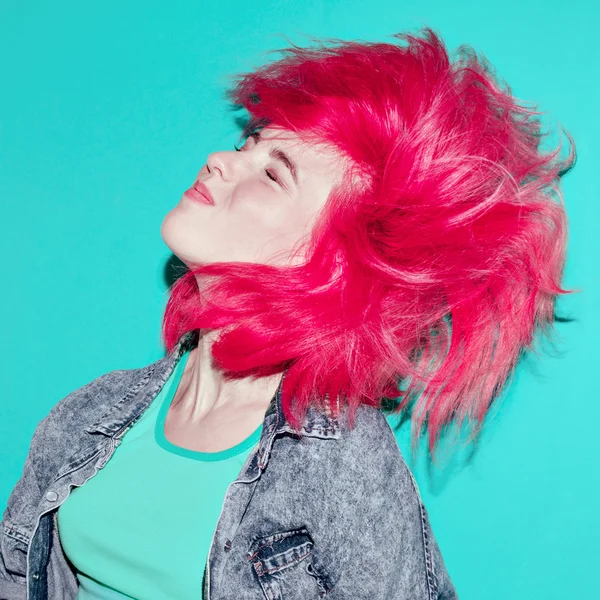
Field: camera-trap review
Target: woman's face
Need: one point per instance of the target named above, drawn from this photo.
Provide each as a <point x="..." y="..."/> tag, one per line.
<point x="255" y="204"/>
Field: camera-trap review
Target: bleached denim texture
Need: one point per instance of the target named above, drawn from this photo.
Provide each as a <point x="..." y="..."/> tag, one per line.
<point x="332" y="513"/>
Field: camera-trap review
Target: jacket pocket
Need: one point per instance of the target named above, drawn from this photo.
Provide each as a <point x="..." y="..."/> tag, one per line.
<point x="282" y="563"/>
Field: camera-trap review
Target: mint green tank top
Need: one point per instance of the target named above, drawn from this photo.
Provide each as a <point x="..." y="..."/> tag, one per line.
<point x="143" y="525"/>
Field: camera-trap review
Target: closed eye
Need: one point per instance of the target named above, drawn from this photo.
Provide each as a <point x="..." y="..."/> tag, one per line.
<point x="272" y="175"/>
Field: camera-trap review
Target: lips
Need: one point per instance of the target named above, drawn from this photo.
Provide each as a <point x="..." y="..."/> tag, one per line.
<point x="200" y="193"/>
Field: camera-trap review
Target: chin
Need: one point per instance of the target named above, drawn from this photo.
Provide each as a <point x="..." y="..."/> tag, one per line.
<point x="174" y="237"/>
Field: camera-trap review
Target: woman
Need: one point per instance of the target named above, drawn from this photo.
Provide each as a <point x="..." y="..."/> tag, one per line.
<point x="387" y="232"/>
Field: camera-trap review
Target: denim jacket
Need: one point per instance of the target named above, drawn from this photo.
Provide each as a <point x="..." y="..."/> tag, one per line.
<point x="334" y="512"/>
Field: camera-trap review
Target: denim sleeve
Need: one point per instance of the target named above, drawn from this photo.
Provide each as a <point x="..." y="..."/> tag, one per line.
<point x="12" y="590"/>
<point x="48" y="449"/>
<point x="392" y="553"/>
<point x="13" y="540"/>
<point x="445" y="587"/>
<point x="12" y="583"/>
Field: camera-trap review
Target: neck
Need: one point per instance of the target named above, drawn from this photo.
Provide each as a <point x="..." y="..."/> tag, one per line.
<point x="204" y="389"/>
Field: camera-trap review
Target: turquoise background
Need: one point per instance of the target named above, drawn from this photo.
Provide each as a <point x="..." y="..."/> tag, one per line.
<point x="107" y="111"/>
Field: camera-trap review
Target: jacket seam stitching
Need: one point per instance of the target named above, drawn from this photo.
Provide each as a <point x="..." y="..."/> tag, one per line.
<point x="286" y="565"/>
<point x="429" y="567"/>
<point x="15" y="533"/>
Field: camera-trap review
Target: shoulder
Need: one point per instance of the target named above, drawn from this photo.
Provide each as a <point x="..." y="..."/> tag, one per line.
<point x="378" y="520"/>
<point x="92" y="399"/>
<point x="378" y="476"/>
<point x="63" y="429"/>
<point x="366" y="460"/>
<point x="62" y="432"/>
<point x="372" y="443"/>
<point x="370" y="426"/>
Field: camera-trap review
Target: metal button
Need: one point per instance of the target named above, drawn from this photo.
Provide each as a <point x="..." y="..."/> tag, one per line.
<point x="227" y="547"/>
<point x="258" y="567"/>
<point x="36" y="575"/>
<point x="52" y="496"/>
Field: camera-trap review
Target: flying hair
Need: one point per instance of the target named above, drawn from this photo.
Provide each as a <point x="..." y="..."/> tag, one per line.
<point x="433" y="264"/>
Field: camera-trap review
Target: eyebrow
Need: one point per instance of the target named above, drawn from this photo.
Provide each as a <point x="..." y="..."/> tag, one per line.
<point x="279" y="155"/>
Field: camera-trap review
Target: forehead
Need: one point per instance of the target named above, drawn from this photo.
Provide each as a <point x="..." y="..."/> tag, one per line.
<point x="312" y="157"/>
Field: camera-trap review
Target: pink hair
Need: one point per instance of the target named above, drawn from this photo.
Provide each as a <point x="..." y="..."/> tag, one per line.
<point x="431" y="266"/>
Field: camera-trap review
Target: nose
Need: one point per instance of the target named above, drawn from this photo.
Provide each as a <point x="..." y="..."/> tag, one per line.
<point x="224" y="164"/>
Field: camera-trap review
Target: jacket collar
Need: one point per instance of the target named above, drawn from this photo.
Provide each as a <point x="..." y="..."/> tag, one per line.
<point x="318" y="423"/>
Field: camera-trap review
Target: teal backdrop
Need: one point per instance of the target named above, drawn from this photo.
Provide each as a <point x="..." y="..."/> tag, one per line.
<point x="108" y="110"/>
